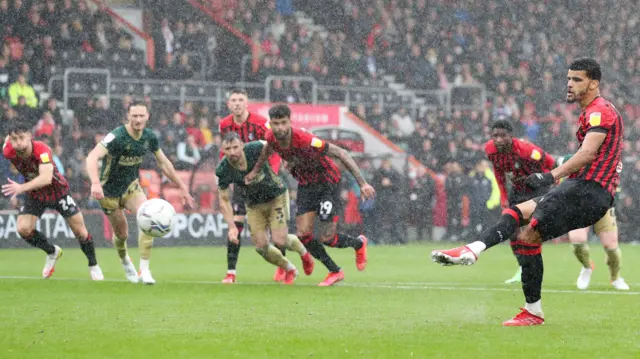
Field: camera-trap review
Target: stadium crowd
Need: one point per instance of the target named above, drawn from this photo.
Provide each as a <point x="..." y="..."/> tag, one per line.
<point x="520" y="58"/>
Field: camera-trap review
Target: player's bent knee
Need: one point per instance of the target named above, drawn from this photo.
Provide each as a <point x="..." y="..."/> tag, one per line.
<point x="525" y="209"/>
<point x="263" y="250"/>
<point x="25" y="231"/>
<point x="609" y="239"/>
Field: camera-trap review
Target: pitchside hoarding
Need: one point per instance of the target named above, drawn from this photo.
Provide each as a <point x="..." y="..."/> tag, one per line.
<point x="189" y="229"/>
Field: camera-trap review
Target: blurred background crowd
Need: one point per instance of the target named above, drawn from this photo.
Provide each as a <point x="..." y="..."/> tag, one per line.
<point x="519" y="57"/>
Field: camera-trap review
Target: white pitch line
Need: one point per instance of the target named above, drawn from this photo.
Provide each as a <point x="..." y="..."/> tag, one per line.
<point x="411" y="285"/>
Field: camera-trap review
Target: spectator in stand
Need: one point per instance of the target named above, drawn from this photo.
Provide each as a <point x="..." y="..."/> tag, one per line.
<point x="21" y="88"/>
<point x="188" y="154"/>
<point x="403" y="124"/>
<point x="388" y="214"/>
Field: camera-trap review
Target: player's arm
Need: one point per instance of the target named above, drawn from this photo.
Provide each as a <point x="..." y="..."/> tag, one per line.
<point x="93" y="158"/>
<point x="264" y="156"/>
<point x="365" y="189"/>
<point x="44" y="178"/>
<point x="225" y="206"/>
<point x="168" y="170"/>
<point x="585" y="155"/>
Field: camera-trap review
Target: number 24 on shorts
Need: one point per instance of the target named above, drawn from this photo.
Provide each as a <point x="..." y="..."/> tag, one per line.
<point x="66" y="203"/>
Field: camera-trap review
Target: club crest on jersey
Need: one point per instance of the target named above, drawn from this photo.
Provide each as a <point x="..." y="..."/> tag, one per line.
<point x="516" y="165"/>
<point x="145" y="145"/>
<point x="595" y="118"/>
<point x="315" y="142"/>
<point x="45" y="158"/>
<point x="251" y="137"/>
<point x="536" y="155"/>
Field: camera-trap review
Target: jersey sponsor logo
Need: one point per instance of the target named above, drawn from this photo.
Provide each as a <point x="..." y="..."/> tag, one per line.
<point x="108" y="138"/>
<point x="536" y="155"/>
<point x="45" y="158"/>
<point x="130" y="160"/>
<point x="316" y="142"/>
<point x="595" y="118"/>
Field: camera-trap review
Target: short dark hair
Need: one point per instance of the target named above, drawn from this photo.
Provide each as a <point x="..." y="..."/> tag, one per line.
<point x="502" y="124"/>
<point x="231" y="136"/>
<point x="238" y="91"/>
<point x="590" y="66"/>
<point x="137" y="103"/>
<point x="17" y="126"/>
<point x="280" y="111"/>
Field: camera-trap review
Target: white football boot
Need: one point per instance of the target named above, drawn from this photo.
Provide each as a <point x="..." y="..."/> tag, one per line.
<point x="50" y="262"/>
<point x="129" y="270"/>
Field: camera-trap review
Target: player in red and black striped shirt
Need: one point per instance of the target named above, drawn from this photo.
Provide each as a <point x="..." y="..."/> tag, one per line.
<point x="578" y="202"/>
<point x="318" y="188"/>
<point x="44" y="188"/>
<point x="250" y="127"/>
<point x="513" y="161"/>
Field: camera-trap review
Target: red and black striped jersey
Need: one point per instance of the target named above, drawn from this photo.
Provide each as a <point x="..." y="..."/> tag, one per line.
<point x="516" y="164"/>
<point x="29" y="167"/>
<point x="253" y="129"/>
<point x="307" y="158"/>
<point x="601" y="116"/>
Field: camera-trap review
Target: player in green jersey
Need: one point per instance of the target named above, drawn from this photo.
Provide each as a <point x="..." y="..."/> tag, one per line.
<point x="267" y="202"/>
<point x="117" y="185"/>
<point x="607" y="230"/>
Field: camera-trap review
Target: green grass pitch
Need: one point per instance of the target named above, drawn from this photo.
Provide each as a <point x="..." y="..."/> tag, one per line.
<point x="402" y="306"/>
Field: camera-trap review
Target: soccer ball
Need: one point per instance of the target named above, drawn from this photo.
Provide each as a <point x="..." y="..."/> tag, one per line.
<point x="155" y="217"/>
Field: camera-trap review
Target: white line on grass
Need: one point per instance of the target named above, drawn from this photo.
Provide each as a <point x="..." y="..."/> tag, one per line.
<point x="411" y="285"/>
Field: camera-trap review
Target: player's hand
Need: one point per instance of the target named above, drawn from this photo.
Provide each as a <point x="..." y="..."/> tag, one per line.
<point x="539" y="180"/>
<point x="187" y="198"/>
<point x="12" y="188"/>
<point x="250" y="177"/>
<point x="233" y="235"/>
<point x="367" y="191"/>
<point x="96" y="191"/>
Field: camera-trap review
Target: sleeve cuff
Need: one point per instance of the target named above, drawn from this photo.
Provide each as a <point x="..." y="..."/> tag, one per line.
<point x="598" y="129"/>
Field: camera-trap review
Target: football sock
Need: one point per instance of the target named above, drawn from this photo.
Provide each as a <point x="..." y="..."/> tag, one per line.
<point x="341" y="240"/>
<point x="233" y="250"/>
<point x="89" y="250"/>
<point x="503" y="230"/>
<point x="121" y="246"/>
<point x="272" y="255"/>
<point x="581" y="251"/>
<point x="293" y="243"/>
<point x="144" y="265"/>
<point x="38" y="240"/>
<point x="318" y="252"/>
<point x="530" y="259"/>
<point x="535" y="307"/>
<point x="145" y="242"/>
<point x="614" y="262"/>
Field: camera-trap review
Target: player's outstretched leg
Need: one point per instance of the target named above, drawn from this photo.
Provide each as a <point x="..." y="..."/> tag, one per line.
<point x="233" y="250"/>
<point x="26" y="229"/>
<point x="330" y="237"/>
<point x="120" y="235"/>
<point x="274" y="256"/>
<point x="505" y="229"/>
<point x="77" y="225"/>
<point x="607" y="230"/>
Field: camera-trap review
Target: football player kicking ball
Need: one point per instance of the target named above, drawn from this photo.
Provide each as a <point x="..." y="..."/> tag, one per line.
<point x="117" y="187"/>
<point x="318" y="188"/>
<point x="45" y="188"/>
<point x="267" y="202"/>
<point x="578" y="202"/>
<point x="607" y="230"/>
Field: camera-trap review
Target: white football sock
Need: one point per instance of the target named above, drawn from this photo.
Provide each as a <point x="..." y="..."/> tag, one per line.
<point x="477" y="247"/>
<point x="144" y="265"/>
<point x="534" y="308"/>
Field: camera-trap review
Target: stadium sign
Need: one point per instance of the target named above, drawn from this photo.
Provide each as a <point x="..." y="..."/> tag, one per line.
<point x="188" y="229"/>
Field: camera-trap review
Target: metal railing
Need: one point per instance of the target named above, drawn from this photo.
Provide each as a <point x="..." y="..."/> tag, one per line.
<point x="216" y="92"/>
